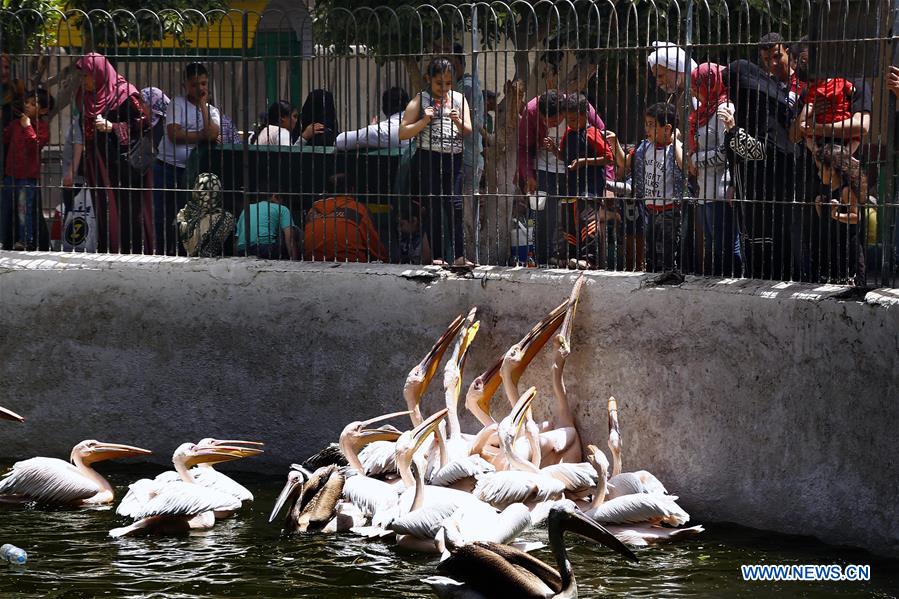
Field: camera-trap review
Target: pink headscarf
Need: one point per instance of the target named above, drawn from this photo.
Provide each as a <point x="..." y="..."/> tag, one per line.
<point x="110" y="88"/>
<point x="706" y="76"/>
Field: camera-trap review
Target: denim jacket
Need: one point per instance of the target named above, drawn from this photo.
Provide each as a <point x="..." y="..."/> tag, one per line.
<point x="681" y="189"/>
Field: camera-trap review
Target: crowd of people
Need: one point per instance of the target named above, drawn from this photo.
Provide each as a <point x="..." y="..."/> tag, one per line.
<point x="748" y="169"/>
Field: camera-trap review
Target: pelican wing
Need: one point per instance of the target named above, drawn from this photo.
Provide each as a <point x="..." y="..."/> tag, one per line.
<point x="626" y="483"/>
<point x="423" y="523"/>
<point x="320" y="497"/>
<point x="461" y="469"/>
<point x="47" y="481"/>
<point x="501" y="571"/>
<point x="370" y="495"/>
<point x="379" y="458"/>
<point x="641" y="535"/>
<point x="481" y="522"/>
<point x="642" y="507"/>
<point x="576" y="477"/>
<point x="138" y="496"/>
<point x="213" y="479"/>
<point x="183" y="499"/>
<point x="513" y="486"/>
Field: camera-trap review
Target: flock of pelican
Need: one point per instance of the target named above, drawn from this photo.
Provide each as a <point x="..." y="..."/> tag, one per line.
<point x="432" y="488"/>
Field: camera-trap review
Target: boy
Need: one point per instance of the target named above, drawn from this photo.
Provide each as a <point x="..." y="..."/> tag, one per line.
<point x="189" y="120"/>
<point x="339" y="229"/>
<point x="585" y="154"/>
<point x="26" y="136"/>
<point x="271" y="230"/>
<point x="660" y="179"/>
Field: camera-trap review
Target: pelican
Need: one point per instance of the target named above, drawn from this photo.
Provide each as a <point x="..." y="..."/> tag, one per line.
<point x="628" y="482"/>
<point x="651" y="509"/>
<point x="493" y="570"/>
<point x="10" y="415"/>
<point x="458" y="465"/>
<point x="420" y="376"/>
<point x="207" y="476"/>
<point x="51" y="481"/>
<point x="179" y="506"/>
<point x="357" y="437"/>
<point x="316" y="501"/>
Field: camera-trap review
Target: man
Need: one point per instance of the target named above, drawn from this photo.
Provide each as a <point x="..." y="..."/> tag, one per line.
<point x="774" y="57"/>
<point x="380" y="134"/>
<point x="892" y="83"/>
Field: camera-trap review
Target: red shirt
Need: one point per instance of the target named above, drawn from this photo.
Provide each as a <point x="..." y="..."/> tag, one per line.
<point x="832" y="99"/>
<point x="23" y="161"/>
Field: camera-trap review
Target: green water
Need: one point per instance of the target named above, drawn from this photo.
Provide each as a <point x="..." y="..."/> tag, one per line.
<point x="70" y="555"/>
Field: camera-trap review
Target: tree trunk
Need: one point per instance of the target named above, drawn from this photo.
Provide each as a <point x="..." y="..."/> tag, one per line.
<point x="414" y="72"/>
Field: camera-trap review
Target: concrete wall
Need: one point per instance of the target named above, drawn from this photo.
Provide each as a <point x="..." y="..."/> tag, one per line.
<point x="774" y="406"/>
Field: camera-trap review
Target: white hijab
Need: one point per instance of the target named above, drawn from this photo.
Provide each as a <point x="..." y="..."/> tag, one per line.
<point x="671" y="57"/>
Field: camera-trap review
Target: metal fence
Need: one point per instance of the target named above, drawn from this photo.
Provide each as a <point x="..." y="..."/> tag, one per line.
<point x="574" y="136"/>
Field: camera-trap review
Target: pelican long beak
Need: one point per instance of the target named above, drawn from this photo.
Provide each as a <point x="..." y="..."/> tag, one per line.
<point x="520" y="409"/>
<point x="114" y="451"/>
<point x="10" y="415"/>
<point x="366" y="423"/>
<point x="428" y="366"/>
<point x="220" y="453"/>
<point x="576" y="522"/>
<point x="295" y="481"/>
<point x="232" y="443"/>
<point x="613" y="418"/>
<point x="537" y="337"/>
<point x="427" y="427"/>
<point x="483" y="388"/>
<point x="564" y="336"/>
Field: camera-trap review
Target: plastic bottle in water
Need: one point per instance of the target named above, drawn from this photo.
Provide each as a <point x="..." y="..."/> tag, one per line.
<point x="13" y="554"/>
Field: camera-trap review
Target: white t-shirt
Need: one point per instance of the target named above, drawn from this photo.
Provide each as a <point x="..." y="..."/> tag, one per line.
<point x="658" y="179"/>
<point x="546" y="160"/>
<point x="273" y="135"/>
<point x="186" y="114"/>
<point x="384" y="134"/>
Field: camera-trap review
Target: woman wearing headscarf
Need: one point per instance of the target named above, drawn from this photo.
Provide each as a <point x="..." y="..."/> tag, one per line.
<point x="112" y="116"/>
<point x="760" y="155"/>
<point x="708" y="163"/>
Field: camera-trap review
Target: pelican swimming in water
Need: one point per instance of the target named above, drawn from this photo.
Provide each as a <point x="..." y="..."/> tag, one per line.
<point x="10" y="415"/>
<point x="179" y="506"/>
<point x="356" y="439"/>
<point x="207" y="476"/>
<point x="315" y="501"/>
<point x="51" y="481"/>
<point x="489" y="570"/>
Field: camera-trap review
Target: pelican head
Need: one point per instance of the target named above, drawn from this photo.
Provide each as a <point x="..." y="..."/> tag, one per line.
<point x="512" y="424"/>
<point x="481" y="393"/>
<point x="420" y="376"/>
<point x="296" y="478"/>
<point x="563" y="339"/>
<point x="190" y="454"/>
<point x="564" y="516"/>
<point x="520" y="355"/>
<point x="91" y="451"/>
<point x="614" y="433"/>
<point x="10" y="415"/>
<point x="360" y="433"/>
<point x="255" y="447"/>
<point x="599" y="460"/>
<point x="409" y="442"/>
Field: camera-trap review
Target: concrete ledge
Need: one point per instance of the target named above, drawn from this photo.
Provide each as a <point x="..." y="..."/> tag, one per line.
<point x="769" y="405"/>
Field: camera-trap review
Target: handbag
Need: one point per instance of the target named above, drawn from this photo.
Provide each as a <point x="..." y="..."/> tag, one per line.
<point x="80" y="225"/>
<point x="142" y="153"/>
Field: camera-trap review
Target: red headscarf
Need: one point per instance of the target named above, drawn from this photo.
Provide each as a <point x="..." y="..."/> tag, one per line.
<point x="706" y="76"/>
<point x="110" y="88"/>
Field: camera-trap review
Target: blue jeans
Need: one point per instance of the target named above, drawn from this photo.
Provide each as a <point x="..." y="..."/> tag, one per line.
<point x="166" y="204"/>
<point x="19" y="198"/>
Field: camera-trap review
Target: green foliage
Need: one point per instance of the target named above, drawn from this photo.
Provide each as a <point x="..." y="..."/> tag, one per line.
<point x="25" y="22"/>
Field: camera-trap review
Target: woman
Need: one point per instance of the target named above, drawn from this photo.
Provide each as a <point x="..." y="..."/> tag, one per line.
<point x="12" y="92"/>
<point x="319" y="108"/>
<point x="281" y="120"/>
<point x="112" y="116"/>
<point x="439" y="118"/>
<point x="708" y="163"/>
<point x="842" y="231"/>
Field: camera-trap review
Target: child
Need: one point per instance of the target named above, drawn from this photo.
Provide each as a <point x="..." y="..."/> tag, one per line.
<point x="25" y="137"/>
<point x="339" y="228"/>
<point x="632" y="212"/>
<point x="842" y="227"/>
<point x="585" y="153"/>
<point x="659" y="178"/>
<point x="266" y="229"/>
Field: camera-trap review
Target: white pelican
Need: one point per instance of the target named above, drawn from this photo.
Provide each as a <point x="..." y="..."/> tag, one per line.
<point x="179" y="506"/>
<point x="649" y="510"/>
<point x="626" y="483"/>
<point x="315" y="501"/>
<point x="50" y="481"/>
<point x="357" y="437"/>
<point x="207" y="476"/>
<point x="10" y="415"/>
<point x="493" y="570"/>
<point x="420" y="376"/>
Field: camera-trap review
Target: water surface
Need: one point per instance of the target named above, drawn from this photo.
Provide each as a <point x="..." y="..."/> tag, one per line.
<point x="70" y="555"/>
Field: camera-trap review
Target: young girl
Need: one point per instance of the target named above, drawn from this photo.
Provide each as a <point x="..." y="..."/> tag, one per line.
<point x="439" y="118"/>
<point x="282" y="118"/>
<point x="841" y="224"/>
